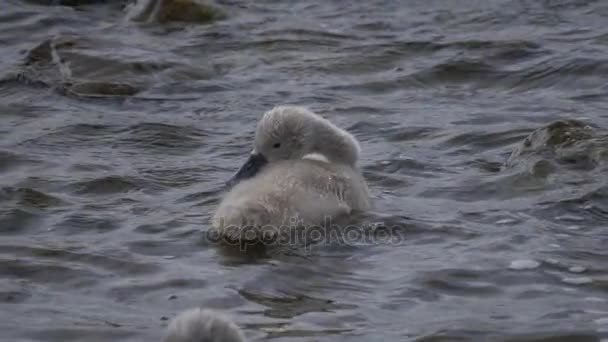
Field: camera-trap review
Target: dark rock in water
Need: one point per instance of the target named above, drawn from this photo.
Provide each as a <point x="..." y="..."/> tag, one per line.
<point x="566" y="143"/>
<point x="41" y="54"/>
<point x="30" y="198"/>
<point x="164" y="11"/>
<point x="55" y="64"/>
<point x="188" y="11"/>
<point x="40" y="67"/>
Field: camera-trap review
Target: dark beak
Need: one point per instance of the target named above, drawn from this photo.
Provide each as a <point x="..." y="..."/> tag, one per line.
<point x="251" y="167"/>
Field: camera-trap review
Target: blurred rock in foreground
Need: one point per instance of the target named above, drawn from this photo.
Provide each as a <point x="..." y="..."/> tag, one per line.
<point x="565" y="144"/>
<point x="164" y="11"/>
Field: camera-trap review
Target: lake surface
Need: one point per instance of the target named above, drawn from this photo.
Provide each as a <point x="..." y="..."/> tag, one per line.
<point x="116" y="138"/>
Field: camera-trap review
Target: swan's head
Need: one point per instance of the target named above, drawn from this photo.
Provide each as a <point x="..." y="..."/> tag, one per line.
<point x="291" y="132"/>
<point x="199" y="325"/>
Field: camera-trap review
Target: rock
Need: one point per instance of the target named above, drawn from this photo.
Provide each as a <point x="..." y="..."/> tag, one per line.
<point x="564" y="143"/>
<point x="164" y="11"/>
<point x="41" y="66"/>
<point x="58" y="64"/>
<point x="41" y="54"/>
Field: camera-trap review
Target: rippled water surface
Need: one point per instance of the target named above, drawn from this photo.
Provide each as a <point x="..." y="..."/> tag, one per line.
<point x="116" y="138"/>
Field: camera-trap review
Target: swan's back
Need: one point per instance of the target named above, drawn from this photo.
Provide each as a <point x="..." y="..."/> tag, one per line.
<point x="305" y="190"/>
<point x="339" y="183"/>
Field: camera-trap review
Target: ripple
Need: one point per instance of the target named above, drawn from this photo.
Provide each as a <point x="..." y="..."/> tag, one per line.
<point x="202" y="197"/>
<point x="388" y="170"/>
<point x="16" y="221"/>
<point x="482" y="74"/>
<point x="154" y="136"/>
<point x="555" y="72"/>
<point x="47" y="273"/>
<point x="381" y="56"/>
<point x="116" y="264"/>
<point x="66" y="2"/>
<point x="538" y="336"/>
<point x="291" y="305"/>
<point x="104" y="331"/>
<point x="124" y="293"/>
<point x="458" y="71"/>
<point x="485" y="141"/>
<point x="13" y="297"/>
<point x="15" y="292"/>
<point x="79" y="223"/>
<point x="73" y="137"/>
<point x="155" y="228"/>
<point x="318" y="37"/>
<point x="162" y="247"/>
<point x="459" y="282"/>
<point x="176" y="176"/>
<point x="110" y="185"/>
<point x="391" y="133"/>
<point x="102" y="89"/>
<point x="10" y="161"/>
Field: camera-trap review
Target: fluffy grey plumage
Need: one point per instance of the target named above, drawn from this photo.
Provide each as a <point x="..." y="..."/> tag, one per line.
<point x="309" y="175"/>
<point x="198" y="325"/>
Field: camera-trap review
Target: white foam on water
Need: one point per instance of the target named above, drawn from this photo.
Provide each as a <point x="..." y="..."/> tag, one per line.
<point x="597" y="312"/>
<point x="577" y="280"/>
<point x="601" y="321"/>
<point x="570" y="218"/>
<point x="594" y="299"/>
<point x="552" y="261"/>
<point x="506" y="221"/>
<point x="524" y="264"/>
<point x="577" y="269"/>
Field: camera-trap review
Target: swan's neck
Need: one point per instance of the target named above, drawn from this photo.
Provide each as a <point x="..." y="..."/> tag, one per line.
<point x="335" y="144"/>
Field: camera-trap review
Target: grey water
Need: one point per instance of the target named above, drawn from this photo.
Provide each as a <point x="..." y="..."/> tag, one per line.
<point x="116" y="138"/>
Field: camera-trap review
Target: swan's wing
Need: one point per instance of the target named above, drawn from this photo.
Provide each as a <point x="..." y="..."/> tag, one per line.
<point x="303" y="193"/>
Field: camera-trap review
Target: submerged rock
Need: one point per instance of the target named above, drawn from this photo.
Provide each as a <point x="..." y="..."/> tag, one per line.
<point x="564" y="143"/>
<point x="41" y="66"/>
<point x="55" y="64"/>
<point x="164" y="11"/>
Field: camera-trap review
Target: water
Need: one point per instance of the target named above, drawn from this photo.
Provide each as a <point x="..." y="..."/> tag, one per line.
<point x="117" y="137"/>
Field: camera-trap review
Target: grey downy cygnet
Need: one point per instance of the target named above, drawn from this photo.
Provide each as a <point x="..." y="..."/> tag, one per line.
<point x="302" y="172"/>
<point x="203" y="325"/>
